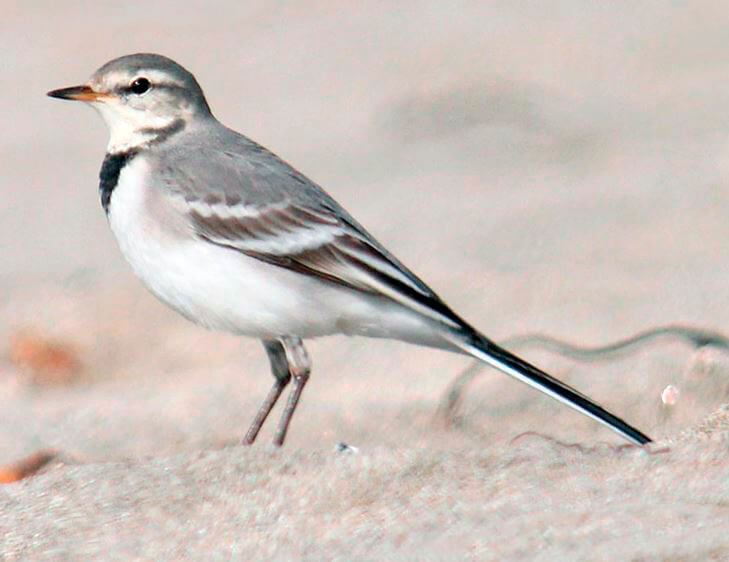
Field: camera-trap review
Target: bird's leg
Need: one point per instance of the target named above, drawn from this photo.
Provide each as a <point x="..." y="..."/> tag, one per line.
<point x="282" y="375"/>
<point x="299" y="367"/>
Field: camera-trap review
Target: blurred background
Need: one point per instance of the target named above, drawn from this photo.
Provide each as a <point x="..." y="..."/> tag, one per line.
<point x="558" y="168"/>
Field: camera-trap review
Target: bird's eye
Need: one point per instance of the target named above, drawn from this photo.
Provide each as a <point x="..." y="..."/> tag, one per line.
<point x="139" y="86"/>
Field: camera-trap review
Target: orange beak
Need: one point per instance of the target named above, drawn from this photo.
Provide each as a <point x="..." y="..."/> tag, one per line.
<point x="79" y="93"/>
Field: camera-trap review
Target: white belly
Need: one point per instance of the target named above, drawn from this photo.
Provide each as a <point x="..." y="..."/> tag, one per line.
<point x="224" y="289"/>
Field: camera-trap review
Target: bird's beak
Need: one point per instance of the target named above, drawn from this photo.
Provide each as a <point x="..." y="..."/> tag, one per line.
<point x="80" y="93"/>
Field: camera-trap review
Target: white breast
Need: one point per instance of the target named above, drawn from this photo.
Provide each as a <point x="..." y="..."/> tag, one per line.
<point x="126" y="216"/>
<point x="143" y="239"/>
<point x="213" y="286"/>
<point x="224" y="289"/>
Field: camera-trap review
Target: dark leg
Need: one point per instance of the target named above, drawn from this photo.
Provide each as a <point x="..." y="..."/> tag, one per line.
<point x="300" y="367"/>
<point x="282" y="374"/>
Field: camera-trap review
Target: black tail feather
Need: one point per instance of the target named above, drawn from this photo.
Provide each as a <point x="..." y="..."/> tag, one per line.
<point x="487" y="351"/>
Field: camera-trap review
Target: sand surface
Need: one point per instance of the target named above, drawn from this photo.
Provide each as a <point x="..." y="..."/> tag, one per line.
<point x="556" y="168"/>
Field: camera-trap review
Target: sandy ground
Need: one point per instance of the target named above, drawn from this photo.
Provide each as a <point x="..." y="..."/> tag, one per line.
<point x="558" y="168"/>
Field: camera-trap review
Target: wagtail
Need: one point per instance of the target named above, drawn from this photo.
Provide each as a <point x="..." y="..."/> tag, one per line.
<point x="234" y="238"/>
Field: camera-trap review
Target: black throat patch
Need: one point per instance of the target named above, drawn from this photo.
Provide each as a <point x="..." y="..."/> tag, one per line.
<point x="109" y="174"/>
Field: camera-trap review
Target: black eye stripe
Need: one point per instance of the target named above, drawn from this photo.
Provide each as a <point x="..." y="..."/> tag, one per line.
<point x="168" y="85"/>
<point x="157" y="85"/>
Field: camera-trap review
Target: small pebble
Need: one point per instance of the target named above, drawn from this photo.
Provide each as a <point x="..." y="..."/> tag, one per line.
<point x="342" y="447"/>
<point x="669" y="396"/>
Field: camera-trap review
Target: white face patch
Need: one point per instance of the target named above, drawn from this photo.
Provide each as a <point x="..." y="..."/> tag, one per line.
<point x="132" y="119"/>
<point x="130" y="127"/>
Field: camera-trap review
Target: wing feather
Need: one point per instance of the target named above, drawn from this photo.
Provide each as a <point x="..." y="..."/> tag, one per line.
<point x="317" y="242"/>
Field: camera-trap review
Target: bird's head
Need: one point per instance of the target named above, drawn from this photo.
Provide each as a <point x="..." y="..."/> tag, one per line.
<point x="142" y="97"/>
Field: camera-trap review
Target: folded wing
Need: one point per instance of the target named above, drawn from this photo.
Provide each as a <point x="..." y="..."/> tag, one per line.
<point x="318" y="242"/>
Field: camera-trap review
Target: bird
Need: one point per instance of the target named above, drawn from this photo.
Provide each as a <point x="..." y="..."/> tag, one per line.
<point x="235" y="239"/>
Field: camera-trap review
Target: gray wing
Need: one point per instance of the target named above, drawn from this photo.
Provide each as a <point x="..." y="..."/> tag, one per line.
<point x="243" y="197"/>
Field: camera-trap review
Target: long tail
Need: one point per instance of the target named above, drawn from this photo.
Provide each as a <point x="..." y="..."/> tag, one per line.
<point x="487" y="351"/>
